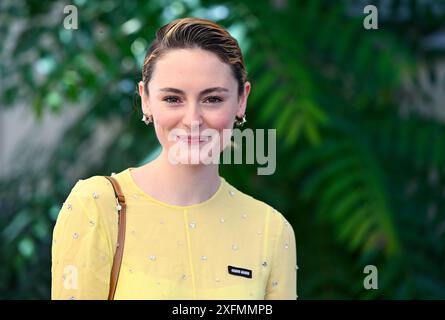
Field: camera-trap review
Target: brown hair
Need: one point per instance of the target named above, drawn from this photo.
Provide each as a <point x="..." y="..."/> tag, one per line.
<point x="196" y="33"/>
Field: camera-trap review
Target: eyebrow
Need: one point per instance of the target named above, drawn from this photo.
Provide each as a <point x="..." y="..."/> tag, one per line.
<point x="203" y="92"/>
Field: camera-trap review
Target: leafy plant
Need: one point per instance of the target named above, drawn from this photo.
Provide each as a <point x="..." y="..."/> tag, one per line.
<point x="360" y="179"/>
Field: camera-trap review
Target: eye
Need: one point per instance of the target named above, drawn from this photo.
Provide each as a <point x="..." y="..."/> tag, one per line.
<point x="214" y="99"/>
<point x="171" y="99"/>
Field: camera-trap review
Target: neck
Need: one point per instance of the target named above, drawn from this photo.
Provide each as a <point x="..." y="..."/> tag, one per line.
<point x="180" y="184"/>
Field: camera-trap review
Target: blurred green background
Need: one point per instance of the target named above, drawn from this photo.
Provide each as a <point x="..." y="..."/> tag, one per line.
<point x="359" y="114"/>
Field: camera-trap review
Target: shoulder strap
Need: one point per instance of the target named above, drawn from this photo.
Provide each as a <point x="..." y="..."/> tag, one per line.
<point x="121" y="207"/>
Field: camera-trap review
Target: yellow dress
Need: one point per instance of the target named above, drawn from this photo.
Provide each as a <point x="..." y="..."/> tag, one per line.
<point x="230" y="246"/>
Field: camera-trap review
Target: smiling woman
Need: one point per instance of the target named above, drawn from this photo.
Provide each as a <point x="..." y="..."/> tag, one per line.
<point x="184" y="231"/>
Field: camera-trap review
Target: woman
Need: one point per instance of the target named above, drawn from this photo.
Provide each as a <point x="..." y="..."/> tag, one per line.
<point x="189" y="233"/>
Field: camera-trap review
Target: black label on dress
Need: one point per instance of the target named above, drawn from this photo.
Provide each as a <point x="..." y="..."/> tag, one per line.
<point x="240" y="272"/>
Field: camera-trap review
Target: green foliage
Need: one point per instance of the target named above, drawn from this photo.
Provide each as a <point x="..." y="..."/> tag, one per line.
<point x="360" y="183"/>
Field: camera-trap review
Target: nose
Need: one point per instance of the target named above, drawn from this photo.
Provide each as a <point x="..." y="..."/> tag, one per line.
<point x="192" y="116"/>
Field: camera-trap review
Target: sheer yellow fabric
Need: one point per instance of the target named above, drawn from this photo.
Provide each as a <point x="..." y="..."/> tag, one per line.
<point x="172" y="252"/>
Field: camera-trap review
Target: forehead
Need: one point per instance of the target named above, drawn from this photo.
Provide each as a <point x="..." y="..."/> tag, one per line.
<point x="191" y="68"/>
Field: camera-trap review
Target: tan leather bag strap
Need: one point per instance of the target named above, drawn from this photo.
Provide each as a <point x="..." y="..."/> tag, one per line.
<point x="121" y="207"/>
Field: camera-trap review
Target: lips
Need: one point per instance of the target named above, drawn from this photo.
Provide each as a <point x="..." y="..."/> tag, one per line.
<point x="193" y="139"/>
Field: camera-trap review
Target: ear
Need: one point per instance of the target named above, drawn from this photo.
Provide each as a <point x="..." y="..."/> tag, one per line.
<point x="144" y="98"/>
<point x="243" y="100"/>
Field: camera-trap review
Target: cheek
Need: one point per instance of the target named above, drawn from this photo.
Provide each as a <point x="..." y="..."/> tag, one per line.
<point x="164" y="122"/>
<point x="223" y="120"/>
